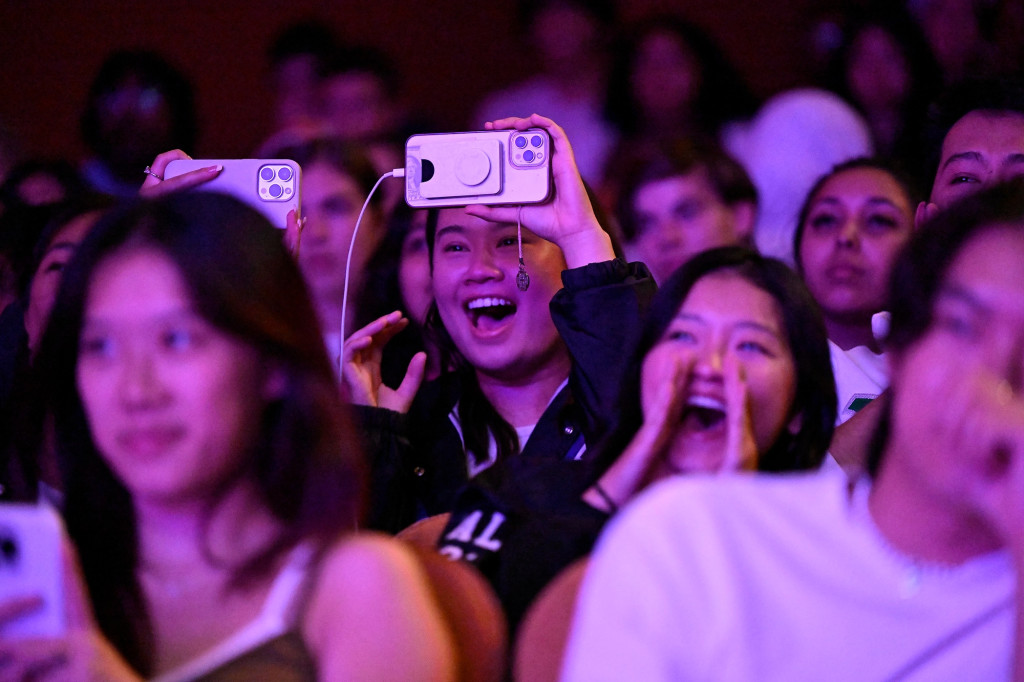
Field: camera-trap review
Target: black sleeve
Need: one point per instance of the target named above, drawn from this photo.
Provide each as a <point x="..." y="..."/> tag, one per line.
<point x="391" y="504"/>
<point x="599" y="313"/>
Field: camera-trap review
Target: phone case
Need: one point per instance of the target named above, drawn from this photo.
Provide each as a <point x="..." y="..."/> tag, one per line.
<point x="30" y="564"/>
<point x="485" y="167"/>
<point x="271" y="186"/>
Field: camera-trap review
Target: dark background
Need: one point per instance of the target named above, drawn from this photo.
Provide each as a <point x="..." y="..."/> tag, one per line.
<point x="451" y="52"/>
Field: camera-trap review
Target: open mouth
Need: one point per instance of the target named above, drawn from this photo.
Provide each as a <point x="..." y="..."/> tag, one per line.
<point x="703" y="414"/>
<point x="489" y="313"/>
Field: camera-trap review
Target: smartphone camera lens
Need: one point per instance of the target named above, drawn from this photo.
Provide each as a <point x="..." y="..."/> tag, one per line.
<point x="275" y="190"/>
<point x="267" y="173"/>
<point x="528" y="156"/>
<point x="520" y="142"/>
<point x="536" y="141"/>
<point x="285" y="173"/>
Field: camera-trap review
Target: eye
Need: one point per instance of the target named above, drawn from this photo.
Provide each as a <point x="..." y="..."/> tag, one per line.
<point x="681" y="335"/>
<point x="957" y="324"/>
<point x="882" y="222"/>
<point x="823" y="221"/>
<point x="686" y="210"/>
<point x="509" y="241"/>
<point x="453" y="247"/>
<point x="751" y="346"/>
<point x="177" y="339"/>
<point x="962" y="179"/>
<point x="96" y="346"/>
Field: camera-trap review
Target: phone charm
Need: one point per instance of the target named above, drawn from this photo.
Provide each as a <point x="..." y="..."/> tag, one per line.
<point x="522" y="278"/>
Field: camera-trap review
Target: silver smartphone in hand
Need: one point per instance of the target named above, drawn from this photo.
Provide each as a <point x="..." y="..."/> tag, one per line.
<point x="30" y="566"/>
<point x="271" y="186"/>
<point x="492" y="167"/>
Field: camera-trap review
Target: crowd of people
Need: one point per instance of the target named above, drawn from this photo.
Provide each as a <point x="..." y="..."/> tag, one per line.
<point x="756" y="413"/>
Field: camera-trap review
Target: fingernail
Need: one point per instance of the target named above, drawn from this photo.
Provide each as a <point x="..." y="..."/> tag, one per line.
<point x="215" y="169"/>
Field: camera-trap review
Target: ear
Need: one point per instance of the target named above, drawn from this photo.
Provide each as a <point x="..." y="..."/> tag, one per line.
<point x="745" y="216"/>
<point x="926" y="210"/>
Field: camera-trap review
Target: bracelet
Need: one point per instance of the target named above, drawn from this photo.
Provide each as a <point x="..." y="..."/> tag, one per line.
<point x="603" y="494"/>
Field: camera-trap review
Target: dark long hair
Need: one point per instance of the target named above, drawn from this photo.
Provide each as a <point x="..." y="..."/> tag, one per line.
<point x="921" y="268"/>
<point x="305" y="460"/>
<point x="815" y="399"/>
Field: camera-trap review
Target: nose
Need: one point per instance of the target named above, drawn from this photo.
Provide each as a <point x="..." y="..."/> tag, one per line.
<point x="140" y="385"/>
<point x="316" y="229"/>
<point x="710" y="362"/>
<point x="483" y="266"/>
<point x="849" y="234"/>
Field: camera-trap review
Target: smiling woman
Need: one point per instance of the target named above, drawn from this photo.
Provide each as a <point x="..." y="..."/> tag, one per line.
<point x="211" y="479"/>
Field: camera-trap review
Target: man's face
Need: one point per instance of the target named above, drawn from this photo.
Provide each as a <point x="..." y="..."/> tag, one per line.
<point x="982" y="148"/>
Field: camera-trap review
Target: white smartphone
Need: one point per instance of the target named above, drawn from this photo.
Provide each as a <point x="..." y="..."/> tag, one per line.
<point x="485" y="167"/>
<point x="30" y="565"/>
<point x="271" y="186"/>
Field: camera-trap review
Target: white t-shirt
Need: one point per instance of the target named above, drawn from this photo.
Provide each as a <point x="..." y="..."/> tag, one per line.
<point x="861" y="375"/>
<point x="782" y="578"/>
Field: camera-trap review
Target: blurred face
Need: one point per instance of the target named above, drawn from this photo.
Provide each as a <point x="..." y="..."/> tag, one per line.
<point x="414" y="270"/>
<point x="563" y="33"/>
<point x="982" y="148"/>
<point x="857" y="224"/>
<point x="665" y="79"/>
<point x="679" y="217"/>
<point x="725" y="323"/>
<point x="948" y="449"/>
<point x="172" y="402"/>
<point x="357" y="106"/>
<point x="134" y="123"/>
<point x="331" y="201"/>
<point x="503" y="332"/>
<point x="46" y="280"/>
<point x="877" y="73"/>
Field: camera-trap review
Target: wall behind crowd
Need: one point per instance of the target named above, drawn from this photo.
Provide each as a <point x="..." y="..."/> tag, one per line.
<point x="451" y="53"/>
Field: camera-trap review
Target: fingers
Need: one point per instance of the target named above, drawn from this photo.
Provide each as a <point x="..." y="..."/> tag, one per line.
<point x="495" y="214"/>
<point x="17" y="607"/>
<point x="375" y="327"/>
<point x="401" y="398"/>
<point x="158" y="184"/>
<point x="293" y="232"/>
<point x="741" y="445"/>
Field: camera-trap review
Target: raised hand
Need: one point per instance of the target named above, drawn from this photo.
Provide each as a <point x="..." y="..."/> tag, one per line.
<point x="567" y="219"/>
<point x="155" y="185"/>
<point x="362" y="357"/>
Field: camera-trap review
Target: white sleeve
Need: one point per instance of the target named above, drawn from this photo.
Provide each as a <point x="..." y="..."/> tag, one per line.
<point x="635" y="606"/>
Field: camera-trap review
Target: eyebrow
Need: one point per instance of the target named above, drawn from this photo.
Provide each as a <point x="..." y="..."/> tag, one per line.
<point x="960" y="293"/>
<point x="965" y="156"/>
<point x="447" y="229"/>
<point x="746" y="324"/>
<point x="60" y="246"/>
<point x="871" y="200"/>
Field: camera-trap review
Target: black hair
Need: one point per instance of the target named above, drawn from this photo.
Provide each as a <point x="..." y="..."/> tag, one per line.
<point x="601" y="11"/>
<point x="815" y="397"/>
<point x="921" y="269"/>
<point x="153" y="71"/>
<point x="904" y="182"/>
<point x="679" y="157"/>
<point x="997" y="96"/>
<point x="367" y="60"/>
<point x="311" y="38"/>
<point x="722" y="94"/>
<point x="304" y="461"/>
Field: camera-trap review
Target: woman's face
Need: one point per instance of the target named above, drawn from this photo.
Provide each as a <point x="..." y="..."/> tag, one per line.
<point x="331" y="201"/>
<point x="957" y="412"/>
<point x="877" y="73"/>
<point x="414" y="270"/>
<point x="856" y="225"/>
<point x="502" y="331"/>
<point x="172" y="402"/>
<point x="665" y="78"/>
<point x="47" y="278"/>
<point x="725" y="324"/>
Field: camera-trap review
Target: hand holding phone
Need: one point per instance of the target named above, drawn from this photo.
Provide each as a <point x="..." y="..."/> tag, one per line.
<point x="568" y="218"/>
<point x="271" y="186"/>
<point x="30" y="570"/>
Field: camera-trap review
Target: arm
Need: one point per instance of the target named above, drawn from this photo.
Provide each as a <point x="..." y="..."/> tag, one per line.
<point x="373" y="617"/>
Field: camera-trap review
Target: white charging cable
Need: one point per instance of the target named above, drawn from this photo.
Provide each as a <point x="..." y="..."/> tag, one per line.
<point x="396" y="173"/>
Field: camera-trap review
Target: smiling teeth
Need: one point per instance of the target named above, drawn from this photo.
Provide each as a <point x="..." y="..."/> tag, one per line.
<point x="704" y="401"/>
<point x="489" y="302"/>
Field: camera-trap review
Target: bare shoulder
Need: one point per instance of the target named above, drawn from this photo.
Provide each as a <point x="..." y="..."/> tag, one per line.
<point x="372" y="614"/>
